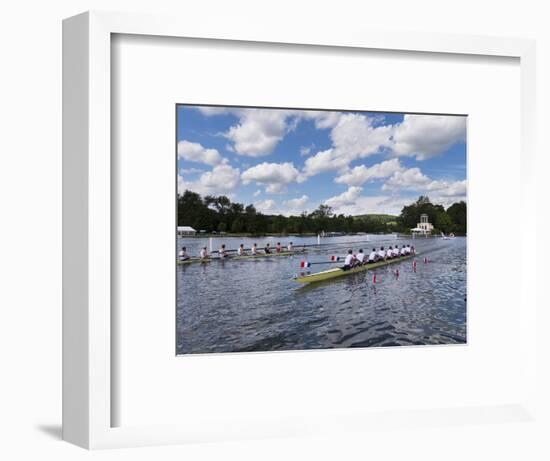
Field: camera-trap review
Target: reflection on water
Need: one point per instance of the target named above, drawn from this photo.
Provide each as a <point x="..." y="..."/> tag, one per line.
<point x="254" y="305"/>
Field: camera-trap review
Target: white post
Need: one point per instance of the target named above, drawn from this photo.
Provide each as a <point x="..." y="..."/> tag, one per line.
<point x="318" y="239"/>
<point x="210" y="244"/>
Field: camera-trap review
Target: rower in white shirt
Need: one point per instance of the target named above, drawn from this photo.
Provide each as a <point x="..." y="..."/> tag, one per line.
<point x="360" y="257"/>
<point x="222" y="252"/>
<point x="396" y="251"/>
<point x="408" y="249"/>
<point x="349" y="262"/>
<point x="403" y="250"/>
<point x="254" y="250"/>
<point x="241" y="251"/>
<point x="372" y="256"/>
<point x="389" y="253"/>
<point x="381" y="253"/>
<point x="183" y="254"/>
<point x="203" y="253"/>
<point x="289" y="247"/>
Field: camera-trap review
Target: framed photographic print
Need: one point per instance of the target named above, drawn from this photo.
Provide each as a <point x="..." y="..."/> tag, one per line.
<point x="314" y="229"/>
<point x="267" y="233"/>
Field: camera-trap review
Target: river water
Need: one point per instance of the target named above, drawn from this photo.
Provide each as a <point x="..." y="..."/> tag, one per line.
<point x="254" y="305"/>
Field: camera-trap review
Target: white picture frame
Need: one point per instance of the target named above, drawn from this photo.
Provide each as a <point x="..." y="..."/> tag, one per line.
<point x="87" y="361"/>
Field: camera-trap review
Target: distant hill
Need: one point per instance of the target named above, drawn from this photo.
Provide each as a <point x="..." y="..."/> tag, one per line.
<point x="383" y="218"/>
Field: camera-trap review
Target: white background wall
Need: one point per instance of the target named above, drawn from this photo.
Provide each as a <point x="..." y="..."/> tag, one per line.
<point x="30" y="228"/>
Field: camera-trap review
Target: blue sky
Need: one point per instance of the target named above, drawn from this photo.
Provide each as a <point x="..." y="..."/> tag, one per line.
<point x="288" y="161"/>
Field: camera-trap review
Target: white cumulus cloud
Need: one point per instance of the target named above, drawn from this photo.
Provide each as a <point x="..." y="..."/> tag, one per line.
<point x="275" y="176"/>
<point x="222" y="179"/>
<point x="195" y="152"/>
<point x="410" y="179"/>
<point x="353" y="137"/>
<point x="425" y="136"/>
<point x="361" y="174"/>
<point x="296" y="203"/>
<point x="345" y="198"/>
<point x="266" y="206"/>
<point x="440" y="191"/>
<point x="258" y="131"/>
<point x="385" y="204"/>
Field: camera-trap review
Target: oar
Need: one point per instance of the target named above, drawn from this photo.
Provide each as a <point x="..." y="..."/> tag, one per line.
<point x="333" y="260"/>
<point x="296" y="248"/>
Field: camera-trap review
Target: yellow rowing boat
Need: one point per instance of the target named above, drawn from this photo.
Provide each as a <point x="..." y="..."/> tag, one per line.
<point x="339" y="272"/>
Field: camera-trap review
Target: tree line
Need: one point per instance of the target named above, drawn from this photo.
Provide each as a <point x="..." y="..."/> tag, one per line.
<point x="219" y="214"/>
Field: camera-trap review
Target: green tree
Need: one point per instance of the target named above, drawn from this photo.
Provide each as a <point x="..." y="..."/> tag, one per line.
<point x="458" y="214"/>
<point x="443" y="222"/>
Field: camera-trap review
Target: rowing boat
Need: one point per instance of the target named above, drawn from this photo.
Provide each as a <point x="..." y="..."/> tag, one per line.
<point x="339" y="272"/>
<point x="237" y="258"/>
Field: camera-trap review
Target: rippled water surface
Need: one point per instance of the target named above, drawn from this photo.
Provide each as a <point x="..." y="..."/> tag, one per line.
<point x="254" y="305"/>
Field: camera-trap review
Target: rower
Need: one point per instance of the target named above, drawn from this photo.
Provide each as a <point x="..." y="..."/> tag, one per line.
<point x="289" y="247"/>
<point x="403" y="250"/>
<point x="203" y="254"/>
<point x="267" y="249"/>
<point x="254" y="250"/>
<point x="278" y="248"/>
<point x="389" y="253"/>
<point x="183" y="254"/>
<point x="381" y="254"/>
<point x="360" y="258"/>
<point x="396" y="251"/>
<point x="222" y="252"/>
<point x="408" y="249"/>
<point x="349" y="261"/>
<point x="413" y="251"/>
<point x="241" y="251"/>
<point x="372" y="256"/>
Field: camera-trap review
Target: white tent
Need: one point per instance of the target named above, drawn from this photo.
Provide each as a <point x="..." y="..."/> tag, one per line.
<point x="186" y="230"/>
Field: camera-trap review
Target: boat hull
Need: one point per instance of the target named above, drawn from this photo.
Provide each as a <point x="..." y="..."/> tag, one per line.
<point x="339" y="272"/>
<point x="238" y="258"/>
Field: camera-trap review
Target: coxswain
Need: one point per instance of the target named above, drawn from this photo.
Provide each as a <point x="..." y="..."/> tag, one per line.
<point x="183" y="254"/>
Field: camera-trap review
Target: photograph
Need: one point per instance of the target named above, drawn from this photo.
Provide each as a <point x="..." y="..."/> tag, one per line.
<point x="307" y="229"/>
